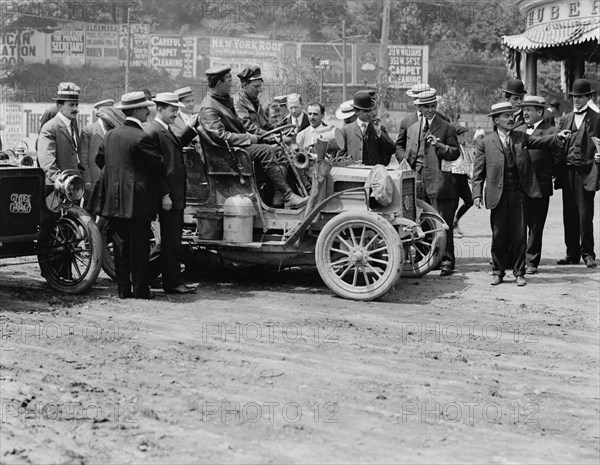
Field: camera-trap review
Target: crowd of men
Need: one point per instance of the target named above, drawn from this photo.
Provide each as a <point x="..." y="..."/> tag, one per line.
<point x="131" y="159"/>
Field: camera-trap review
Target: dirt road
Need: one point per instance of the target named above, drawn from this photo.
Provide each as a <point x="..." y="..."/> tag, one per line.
<point x="260" y="367"/>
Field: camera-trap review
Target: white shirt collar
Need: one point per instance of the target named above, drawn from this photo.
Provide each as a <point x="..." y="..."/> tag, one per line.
<point x="135" y="120"/>
<point x="535" y="125"/>
<point x="162" y="123"/>
<point x="65" y="120"/>
<point x="102" y="126"/>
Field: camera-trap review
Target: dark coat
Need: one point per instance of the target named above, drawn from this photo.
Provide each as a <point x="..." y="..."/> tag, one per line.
<point x="543" y="160"/>
<point x="132" y="184"/>
<point x="380" y="149"/>
<point x="590" y="168"/>
<point x="220" y="120"/>
<point x="406" y="123"/>
<point x="251" y="113"/>
<point x="438" y="184"/>
<point x="171" y="148"/>
<point x="489" y="164"/>
<point x="304" y="122"/>
<point x="92" y="138"/>
<point x="57" y="150"/>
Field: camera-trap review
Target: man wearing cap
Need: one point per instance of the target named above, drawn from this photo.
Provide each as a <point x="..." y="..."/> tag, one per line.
<point x="297" y="116"/>
<point x="219" y="119"/>
<point x="430" y="141"/>
<point x="365" y="140"/>
<point x="103" y="103"/>
<point x="577" y="176"/>
<point x="514" y="91"/>
<point x="309" y="136"/>
<point x="132" y="186"/>
<point x="274" y="115"/>
<point x="543" y="161"/>
<point x="345" y="112"/>
<point x="247" y="105"/>
<point x="59" y="138"/>
<point x="412" y="118"/>
<point x="170" y="146"/>
<point x="92" y="138"/>
<point x="504" y="164"/>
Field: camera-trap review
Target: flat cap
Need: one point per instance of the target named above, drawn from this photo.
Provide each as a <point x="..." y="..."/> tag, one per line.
<point x="217" y="72"/>
<point x="250" y="74"/>
<point x="104" y="103"/>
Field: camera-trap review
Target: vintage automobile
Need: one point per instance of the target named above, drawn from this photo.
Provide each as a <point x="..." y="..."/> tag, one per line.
<point x="49" y="225"/>
<point x="360" y="248"/>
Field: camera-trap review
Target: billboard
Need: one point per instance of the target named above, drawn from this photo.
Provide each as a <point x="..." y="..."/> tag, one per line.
<point x="139" y="50"/>
<point x="67" y="45"/>
<point x="408" y="65"/>
<point x="22" y="46"/>
<point x="102" y="45"/>
<point x="173" y="54"/>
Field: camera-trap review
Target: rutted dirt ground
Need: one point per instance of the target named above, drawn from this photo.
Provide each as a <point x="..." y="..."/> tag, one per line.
<point x="261" y="367"/>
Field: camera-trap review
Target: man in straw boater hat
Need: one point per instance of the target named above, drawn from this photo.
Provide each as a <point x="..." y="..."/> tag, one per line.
<point x="132" y="187"/>
<point x="246" y="102"/>
<point x="345" y="112"/>
<point x="577" y="176"/>
<point x="185" y="112"/>
<point x="59" y="138"/>
<point x="543" y="161"/>
<point x="429" y="141"/>
<point x="170" y="146"/>
<point x="220" y="120"/>
<point x="503" y="163"/>
<point x="365" y="141"/>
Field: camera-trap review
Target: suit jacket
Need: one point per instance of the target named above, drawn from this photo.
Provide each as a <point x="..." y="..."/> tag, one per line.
<point x="304" y="123"/>
<point x="251" y="113"/>
<point x="380" y="149"/>
<point x="489" y="164"/>
<point x="543" y="160"/>
<point x="92" y="137"/>
<point x="132" y="183"/>
<point x="548" y="118"/>
<point x="589" y="167"/>
<point x="57" y="150"/>
<point x="218" y="116"/>
<point x="438" y="185"/>
<point x="171" y="148"/>
<point x="406" y="123"/>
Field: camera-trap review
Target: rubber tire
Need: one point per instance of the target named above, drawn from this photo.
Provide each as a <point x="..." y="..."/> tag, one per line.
<point x="428" y="220"/>
<point x="74" y="219"/>
<point x="328" y="236"/>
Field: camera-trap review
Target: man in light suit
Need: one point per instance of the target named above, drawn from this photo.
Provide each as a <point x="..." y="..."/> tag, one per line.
<point x="577" y="176"/>
<point x="543" y="162"/>
<point x="297" y="116"/>
<point x="504" y="164"/>
<point x="366" y="141"/>
<point x="428" y="143"/>
<point x="58" y="140"/>
<point x="171" y="147"/>
<point x="309" y="136"/>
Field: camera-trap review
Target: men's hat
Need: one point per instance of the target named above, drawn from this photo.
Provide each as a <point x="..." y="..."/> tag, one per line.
<point x="515" y="87"/>
<point x="280" y="100"/>
<point x="68" y="91"/>
<point x="502" y="107"/>
<point x="133" y="100"/>
<point x="555" y="103"/>
<point x="293" y="98"/>
<point x="460" y="129"/>
<point x="426" y="97"/>
<point x="104" y="103"/>
<point x="184" y="92"/>
<point x="169" y="98"/>
<point x="581" y="87"/>
<point x="415" y="90"/>
<point x="112" y="115"/>
<point x="217" y="73"/>
<point x="363" y="101"/>
<point x="345" y="110"/>
<point x="533" y="101"/>
<point x="250" y="74"/>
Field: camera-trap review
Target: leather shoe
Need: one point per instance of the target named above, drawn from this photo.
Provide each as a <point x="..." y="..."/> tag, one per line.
<point x="295" y="201"/>
<point x="590" y="262"/>
<point x="497" y="279"/>
<point x="181" y="289"/>
<point x="192" y="286"/>
<point x="567" y="261"/>
<point x="521" y="281"/>
<point x="531" y="270"/>
<point x="446" y="270"/>
<point x="125" y="294"/>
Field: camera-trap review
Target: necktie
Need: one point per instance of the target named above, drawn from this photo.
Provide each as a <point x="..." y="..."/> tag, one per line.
<point x="426" y="127"/>
<point x="579" y="112"/>
<point x="530" y="126"/>
<point x="74" y="132"/>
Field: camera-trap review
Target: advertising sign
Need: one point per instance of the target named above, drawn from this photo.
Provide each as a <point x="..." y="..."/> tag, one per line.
<point x="174" y="54"/>
<point x="408" y="65"/>
<point x="139" y="48"/>
<point x="22" y="46"/>
<point x="102" y="45"/>
<point x="68" y="45"/>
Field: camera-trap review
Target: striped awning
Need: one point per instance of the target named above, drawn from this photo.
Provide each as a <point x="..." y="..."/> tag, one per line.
<point x="555" y="34"/>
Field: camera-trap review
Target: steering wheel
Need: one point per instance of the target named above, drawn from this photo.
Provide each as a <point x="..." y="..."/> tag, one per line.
<point x="285" y="131"/>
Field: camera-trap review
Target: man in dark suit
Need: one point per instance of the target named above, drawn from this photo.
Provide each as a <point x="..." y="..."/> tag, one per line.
<point x="429" y="142"/>
<point x="92" y="138"/>
<point x="514" y="92"/>
<point x="577" y="176"/>
<point x="220" y="120"/>
<point x="59" y="138"/>
<point x="297" y="116"/>
<point x="132" y="187"/>
<point x="365" y="140"/>
<point x="170" y="215"/>
<point x="504" y="164"/>
<point x="543" y="162"/>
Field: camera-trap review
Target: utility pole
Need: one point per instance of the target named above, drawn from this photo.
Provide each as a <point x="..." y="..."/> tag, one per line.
<point x="128" y="49"/>
<point x="383" y="48"/>
<point x="344" y="60"/>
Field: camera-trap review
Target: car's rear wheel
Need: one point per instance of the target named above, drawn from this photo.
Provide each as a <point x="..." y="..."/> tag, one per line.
<point x="359" y="255"/>
<point x="424" y="255"/>
<point x="70" y="252"/>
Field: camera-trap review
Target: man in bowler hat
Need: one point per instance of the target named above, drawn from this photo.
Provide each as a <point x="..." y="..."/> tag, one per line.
<point x="514" y="92"/>
<point x="577" y="176"/>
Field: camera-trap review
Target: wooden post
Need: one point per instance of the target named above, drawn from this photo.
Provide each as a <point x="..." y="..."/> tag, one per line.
<point x="531" y="73"/>
<point x="383" y="48"/>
